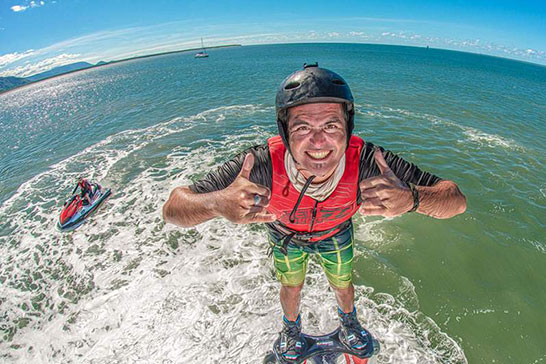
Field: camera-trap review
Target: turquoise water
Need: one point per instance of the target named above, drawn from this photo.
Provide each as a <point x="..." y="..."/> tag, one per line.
<point x="128" y="288"/>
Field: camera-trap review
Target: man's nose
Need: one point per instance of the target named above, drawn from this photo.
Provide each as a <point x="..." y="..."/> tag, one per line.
<point x="318" y="136"/>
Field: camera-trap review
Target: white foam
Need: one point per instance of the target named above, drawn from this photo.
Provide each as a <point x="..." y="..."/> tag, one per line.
<point x="539" y="246"/>
<point x="489" y="139"/>
<point x="473" y="134"/>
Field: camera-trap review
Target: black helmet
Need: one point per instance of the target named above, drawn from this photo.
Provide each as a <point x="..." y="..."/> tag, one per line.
<point x="312" y="84"/>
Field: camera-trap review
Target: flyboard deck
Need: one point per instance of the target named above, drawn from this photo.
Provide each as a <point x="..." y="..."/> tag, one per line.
<point x="326" y="349"/>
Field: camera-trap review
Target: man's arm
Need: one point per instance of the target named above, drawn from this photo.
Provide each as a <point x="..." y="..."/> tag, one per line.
<point x="387" y="195"/>
<point x="237" y="202"/>
<point x="186" y="208"/>
<point x="442" y="201"/>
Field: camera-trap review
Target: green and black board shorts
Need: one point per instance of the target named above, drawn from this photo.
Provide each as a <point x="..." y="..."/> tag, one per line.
<point x="335" y="256"/>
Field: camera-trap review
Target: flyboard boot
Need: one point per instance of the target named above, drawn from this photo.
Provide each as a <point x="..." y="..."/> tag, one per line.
<point x="352" y="334"/>
<point x="290" y="344"/>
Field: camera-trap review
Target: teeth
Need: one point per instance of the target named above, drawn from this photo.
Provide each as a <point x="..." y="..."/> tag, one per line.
<point x="318" y="155"/>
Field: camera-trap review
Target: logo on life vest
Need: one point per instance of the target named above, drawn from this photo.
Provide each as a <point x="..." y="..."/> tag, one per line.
<point x="305" y="216"/>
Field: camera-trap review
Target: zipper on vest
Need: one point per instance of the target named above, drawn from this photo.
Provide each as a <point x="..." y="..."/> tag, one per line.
<point x="314" y="215"/>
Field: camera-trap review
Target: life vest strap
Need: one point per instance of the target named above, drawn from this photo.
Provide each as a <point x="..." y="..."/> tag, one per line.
<point x="304" y="239"/>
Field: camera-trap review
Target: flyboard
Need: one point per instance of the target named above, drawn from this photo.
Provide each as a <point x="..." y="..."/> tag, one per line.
<point x="326" y="349"/>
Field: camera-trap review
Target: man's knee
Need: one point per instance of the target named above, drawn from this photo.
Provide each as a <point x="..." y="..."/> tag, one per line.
<point x="345" y="290"/>
<point x="292" y="290"/>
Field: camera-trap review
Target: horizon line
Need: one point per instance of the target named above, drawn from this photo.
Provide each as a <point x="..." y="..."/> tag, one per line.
<point x="115" y="61"/>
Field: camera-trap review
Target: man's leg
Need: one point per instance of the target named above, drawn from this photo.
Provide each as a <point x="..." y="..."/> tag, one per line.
<point x="345" y="297"/>
<point x="290" y="271"/>
<point x="336" y="256"/>
<point x="290" y="301"/>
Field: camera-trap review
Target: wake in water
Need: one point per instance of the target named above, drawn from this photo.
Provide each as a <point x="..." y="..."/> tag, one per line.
<point x="129" y="288"/>
<point x="472" y="134"/>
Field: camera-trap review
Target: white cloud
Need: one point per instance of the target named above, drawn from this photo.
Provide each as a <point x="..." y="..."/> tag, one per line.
<point x="29" y="69"/>
<point x="32" y="4"/>
<point x="468" y="45"/>
<point x="106" y="45"/>
<point x="12" y="57"/>
<point x="18" y="8"/>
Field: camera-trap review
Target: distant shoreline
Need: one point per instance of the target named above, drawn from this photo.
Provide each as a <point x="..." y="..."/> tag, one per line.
<point x="164" y="53"/>
<point x="426" y="47"/>
<point x="119" y="61"/>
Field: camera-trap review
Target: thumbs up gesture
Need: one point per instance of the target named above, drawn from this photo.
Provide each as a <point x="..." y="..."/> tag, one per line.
<point x="245" y="202"/>
<point x="386" y="194"/>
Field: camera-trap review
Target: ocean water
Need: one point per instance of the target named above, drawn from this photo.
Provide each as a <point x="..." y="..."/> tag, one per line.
<point x="127" y="288"/>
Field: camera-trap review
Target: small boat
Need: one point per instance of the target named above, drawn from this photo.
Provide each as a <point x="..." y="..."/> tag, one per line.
<point x="76" y="210"/>
<point x="203" y="53"/>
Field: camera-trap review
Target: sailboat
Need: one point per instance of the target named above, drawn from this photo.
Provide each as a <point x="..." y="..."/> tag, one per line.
<point x="203" y="53"/>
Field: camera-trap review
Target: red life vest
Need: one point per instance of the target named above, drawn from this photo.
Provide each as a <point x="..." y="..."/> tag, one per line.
<point x="84" y="186"/>
<point x="312" y="215"/>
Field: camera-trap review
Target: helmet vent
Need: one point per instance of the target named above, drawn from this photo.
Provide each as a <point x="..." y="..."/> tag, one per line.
<point x="338" y="82"/>
<point x="292" y="85"/>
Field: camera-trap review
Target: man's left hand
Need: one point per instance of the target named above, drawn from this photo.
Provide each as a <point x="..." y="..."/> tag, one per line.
<point x="386" y="194"/>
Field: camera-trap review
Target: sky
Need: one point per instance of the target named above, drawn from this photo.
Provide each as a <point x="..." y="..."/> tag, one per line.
<point x="37" y="35"/>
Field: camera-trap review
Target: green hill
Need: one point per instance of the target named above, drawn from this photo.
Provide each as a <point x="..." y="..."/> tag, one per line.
<point x="10" y="82"/>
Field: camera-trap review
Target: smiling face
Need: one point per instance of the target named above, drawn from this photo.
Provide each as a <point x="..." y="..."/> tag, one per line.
<point x="317" y="138"/>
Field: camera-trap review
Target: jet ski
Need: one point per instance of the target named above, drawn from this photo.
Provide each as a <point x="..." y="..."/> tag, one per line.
<point x="86" y="198"/>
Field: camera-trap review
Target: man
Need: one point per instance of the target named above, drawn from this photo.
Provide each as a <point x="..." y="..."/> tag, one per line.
<point x="86" y="191"/>
<point x="306" y="184"/>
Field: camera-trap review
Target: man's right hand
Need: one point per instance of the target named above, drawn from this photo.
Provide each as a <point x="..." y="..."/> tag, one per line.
<point x="237" y="202"/>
